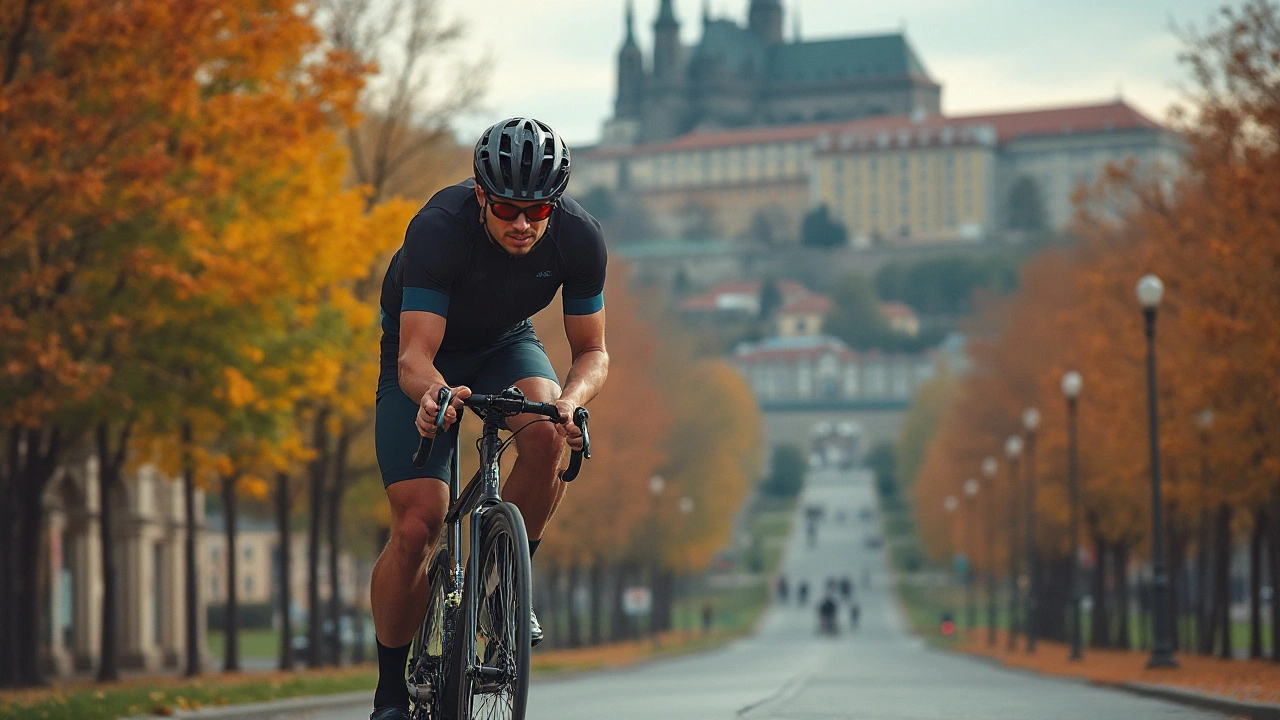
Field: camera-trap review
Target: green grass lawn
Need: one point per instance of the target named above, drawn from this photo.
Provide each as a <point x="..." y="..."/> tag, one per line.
<point x="164" y="696"/>
<point x="253" y="643"/>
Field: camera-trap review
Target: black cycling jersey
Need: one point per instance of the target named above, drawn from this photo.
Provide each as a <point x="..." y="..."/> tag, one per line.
<point x="449" y="266"/>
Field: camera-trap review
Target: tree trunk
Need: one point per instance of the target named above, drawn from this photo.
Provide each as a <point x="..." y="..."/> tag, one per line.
<point x="1204" y="585"/>
<point x="1177" y="581"/>
<point x="110" y="482"/>
<point x="571" y="596"/>
<point x="556" y="616"/>
<point x="193" y="527"/>
<point x="1100" y="632"/>
<point x="39" y="451"/>
<point x="109" y="660"/>
<point x="284" y="582"/>
<point x="316" y="469"/>
<point x="1273" y="554"/>
<point x="9" y="520"/>
<point x="1056" y="600"/>
<point x="1222" y="582"/>
<point x="1255" y="584"/>
<point x="231" y="616"/>
<point x="619" y="627"/>
<point x="1123" y="640"/>
<point x="596" y="581"/>
<point x="337" y="488"/>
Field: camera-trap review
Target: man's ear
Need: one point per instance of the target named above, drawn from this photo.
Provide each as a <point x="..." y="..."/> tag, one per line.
<point x="479" y="194"/>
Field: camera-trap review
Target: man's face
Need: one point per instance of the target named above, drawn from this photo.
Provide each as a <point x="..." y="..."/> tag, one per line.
<point x="518" y="236"/>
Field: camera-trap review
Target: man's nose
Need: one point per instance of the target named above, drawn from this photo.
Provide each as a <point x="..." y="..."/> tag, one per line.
<point x="521" y="223"/>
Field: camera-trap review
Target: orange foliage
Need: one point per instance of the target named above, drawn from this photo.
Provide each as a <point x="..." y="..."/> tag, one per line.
<point x="1212" y="233"/>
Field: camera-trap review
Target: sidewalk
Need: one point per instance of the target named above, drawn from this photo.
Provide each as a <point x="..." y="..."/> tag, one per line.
<point x="1248" y="687"/>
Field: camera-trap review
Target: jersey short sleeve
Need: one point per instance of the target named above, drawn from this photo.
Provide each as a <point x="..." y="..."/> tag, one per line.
<point x="434" y="257"/>
<point x="583" y="291"/>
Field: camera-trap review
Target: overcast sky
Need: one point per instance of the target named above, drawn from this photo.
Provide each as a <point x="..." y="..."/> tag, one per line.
<point x="555" y="59"/>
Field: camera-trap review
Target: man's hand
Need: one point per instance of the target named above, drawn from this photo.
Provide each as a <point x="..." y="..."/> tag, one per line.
<point x="428" y="409"/>
<point x="565" y="425"/>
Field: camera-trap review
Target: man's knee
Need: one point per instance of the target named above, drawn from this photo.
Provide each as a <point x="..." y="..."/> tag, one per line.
<point x="413" y="534"/>
<point x="540" y="442"/>
<point x="417" y="515"/>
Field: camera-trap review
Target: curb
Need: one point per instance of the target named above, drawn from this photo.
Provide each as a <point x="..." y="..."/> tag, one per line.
<point x="1194" y="698"/>
<point x="270" y="708"/>
<point x="1217" y="703"/>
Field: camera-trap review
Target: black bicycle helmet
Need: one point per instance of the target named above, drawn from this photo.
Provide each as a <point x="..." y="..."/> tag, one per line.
<point x="522" y="159"/>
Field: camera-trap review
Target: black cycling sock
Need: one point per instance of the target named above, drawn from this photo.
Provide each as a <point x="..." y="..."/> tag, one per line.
<point x="391" y="688"/>
<point x="533" y="547"/>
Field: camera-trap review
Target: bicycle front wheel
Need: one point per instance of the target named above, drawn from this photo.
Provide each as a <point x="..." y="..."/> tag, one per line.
<point x="495" y="679"/>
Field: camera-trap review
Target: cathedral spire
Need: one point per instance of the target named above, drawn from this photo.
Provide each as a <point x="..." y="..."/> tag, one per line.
<point x="631" y="17"/>
<point x="666" y="14"/>
<point x="706" y="13"/>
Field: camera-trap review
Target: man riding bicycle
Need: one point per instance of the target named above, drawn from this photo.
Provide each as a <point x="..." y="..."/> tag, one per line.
<point x="477" y="262"/>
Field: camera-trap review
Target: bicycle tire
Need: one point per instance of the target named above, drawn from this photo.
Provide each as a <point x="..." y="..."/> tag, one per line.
<point x="494" y="681"/>
<point x="429" y="665"/>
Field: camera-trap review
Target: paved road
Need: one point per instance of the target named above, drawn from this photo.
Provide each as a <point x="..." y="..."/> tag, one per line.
<point x="787" y="672"/>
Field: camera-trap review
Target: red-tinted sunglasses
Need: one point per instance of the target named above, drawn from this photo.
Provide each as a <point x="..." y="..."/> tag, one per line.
<point x="506" y="212"/>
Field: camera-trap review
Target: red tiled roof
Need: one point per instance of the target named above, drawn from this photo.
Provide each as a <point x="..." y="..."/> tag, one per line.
<point x="807" y="305"/>
<point x="1116" y="115"/>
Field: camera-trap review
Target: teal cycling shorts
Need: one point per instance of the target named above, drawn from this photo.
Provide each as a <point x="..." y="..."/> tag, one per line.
<point x="485" y="370"/>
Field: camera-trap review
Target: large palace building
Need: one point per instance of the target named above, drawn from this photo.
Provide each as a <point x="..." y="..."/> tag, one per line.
<point x="745" y="132"/>
<point x="741" y="76"/>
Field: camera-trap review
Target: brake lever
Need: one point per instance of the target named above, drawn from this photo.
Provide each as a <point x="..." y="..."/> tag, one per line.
<point x="443" y="398"/>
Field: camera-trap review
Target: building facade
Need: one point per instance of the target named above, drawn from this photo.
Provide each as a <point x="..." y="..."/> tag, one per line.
<point x="815" y="372"/>
<point x="739" y="76"/>
<point x="891" y="180"/>
<point x="149" y="541"/>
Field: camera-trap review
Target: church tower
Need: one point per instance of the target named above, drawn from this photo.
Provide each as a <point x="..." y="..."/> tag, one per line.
<point x="630" y="73"/>
<point x="765" y="19"/>
<point x="666" y="44"/>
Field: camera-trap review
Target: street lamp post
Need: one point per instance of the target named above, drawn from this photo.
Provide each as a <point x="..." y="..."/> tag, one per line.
<point x="686" y="509"/>
<point x="1012" y="449"/>
<point x="971" y="549"/>
<point x="656" y="484"/>
<point x="1071" y="385"/>
<point x="989" y="468"/>
<point x="1150" y="290"/>
<point x="1204" y="632"/>
<point x="950" y="503"/>
<point x="1031" y="421"/>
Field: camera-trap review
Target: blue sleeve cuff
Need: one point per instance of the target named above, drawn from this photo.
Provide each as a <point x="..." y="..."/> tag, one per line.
<point x="584" y="306"/>
<point x="425" y="300"/>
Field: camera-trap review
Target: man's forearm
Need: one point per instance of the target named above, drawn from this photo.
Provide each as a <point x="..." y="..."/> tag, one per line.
<point x="417" y="374"/>
<point x="586" y="377"/>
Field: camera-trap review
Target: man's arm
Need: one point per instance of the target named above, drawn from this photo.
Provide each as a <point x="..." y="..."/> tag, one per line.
<point x="420" y="337"/>
<point x="590" y="364"/>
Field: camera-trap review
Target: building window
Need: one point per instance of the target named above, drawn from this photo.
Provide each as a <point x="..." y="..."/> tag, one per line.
<point x="248" y="585"/>
<point x="248" y="552"/>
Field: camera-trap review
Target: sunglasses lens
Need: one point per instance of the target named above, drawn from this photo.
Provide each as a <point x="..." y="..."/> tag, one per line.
<point x="538" y="212"/>
<point x="507" y="212"/>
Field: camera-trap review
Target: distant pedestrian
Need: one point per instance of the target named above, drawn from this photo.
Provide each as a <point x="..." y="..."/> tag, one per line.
<point x="782" y="588"/>
<point x="854" y="613"/>
<point x="708" y="615"/>
<point x="802" y="592"/>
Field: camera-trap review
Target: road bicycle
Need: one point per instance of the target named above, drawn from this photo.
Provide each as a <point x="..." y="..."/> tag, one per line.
<point x="470" y="657"/>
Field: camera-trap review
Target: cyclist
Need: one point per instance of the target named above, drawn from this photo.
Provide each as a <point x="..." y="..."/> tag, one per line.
<point x="477" y="262"/>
